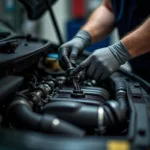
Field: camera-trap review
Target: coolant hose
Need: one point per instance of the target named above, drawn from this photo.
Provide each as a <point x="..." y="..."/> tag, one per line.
<point x="22" y="116"/>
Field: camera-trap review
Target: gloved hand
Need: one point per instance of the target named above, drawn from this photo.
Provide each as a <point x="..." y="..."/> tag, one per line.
<point x="69" y="51"/>
<point x="103" y="62"/>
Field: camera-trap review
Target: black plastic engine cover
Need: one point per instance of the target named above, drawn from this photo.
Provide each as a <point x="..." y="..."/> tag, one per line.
<point x="93" y="96"/>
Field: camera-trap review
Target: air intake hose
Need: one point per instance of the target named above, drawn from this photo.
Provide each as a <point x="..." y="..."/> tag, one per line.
<point x="116" y="110"/>
<point x="22" y="116"/>
<point x="77" y="113"/>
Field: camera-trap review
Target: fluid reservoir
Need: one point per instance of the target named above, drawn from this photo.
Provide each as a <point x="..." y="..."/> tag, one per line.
<point x="52" y="62"/>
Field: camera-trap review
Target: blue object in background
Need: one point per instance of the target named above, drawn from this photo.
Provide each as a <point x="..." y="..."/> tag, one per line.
<point x="74" y="26"/>
<point x="10" y="5"/>
<point x="53" y="55"/>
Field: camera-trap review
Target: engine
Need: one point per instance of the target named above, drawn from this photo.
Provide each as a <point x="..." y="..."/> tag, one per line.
<point x="51" y="106"/>
<point x="34" y="98"/>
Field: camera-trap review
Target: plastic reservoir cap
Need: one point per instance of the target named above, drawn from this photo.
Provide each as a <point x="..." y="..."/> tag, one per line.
<point x="53" y="55"/>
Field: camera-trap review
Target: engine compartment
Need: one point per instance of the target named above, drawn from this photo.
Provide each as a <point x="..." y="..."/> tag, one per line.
<point x="41" y="109"/>
<point x="52" y="97"/>
<point x="45" y="104"/>
<point x="34" y="99"/>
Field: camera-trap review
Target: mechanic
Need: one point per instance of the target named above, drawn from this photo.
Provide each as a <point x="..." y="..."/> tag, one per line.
<point x="132" y="19"/>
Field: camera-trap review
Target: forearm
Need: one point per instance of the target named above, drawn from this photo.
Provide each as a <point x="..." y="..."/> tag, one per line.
<point x="138" y="42"/>
<point x="100" y="23"/>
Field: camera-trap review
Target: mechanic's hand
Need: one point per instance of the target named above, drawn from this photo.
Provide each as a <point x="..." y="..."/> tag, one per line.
<point x="69" y="51"/>
<point x="103" y="62"/>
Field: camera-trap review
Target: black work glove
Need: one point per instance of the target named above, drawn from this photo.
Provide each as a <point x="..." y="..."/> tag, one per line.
<point x="103" y="62"/>
<point x="69" y="51"/>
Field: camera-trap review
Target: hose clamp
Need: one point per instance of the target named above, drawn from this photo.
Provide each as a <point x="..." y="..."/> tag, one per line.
<point x="121" y="91"/>
<point x="100" y="116"/>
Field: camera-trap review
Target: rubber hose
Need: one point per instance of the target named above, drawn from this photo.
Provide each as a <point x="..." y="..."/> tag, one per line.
<point x="116" y="110"/>
<point x="76" y="113"/>
<point x="21" y="115"/>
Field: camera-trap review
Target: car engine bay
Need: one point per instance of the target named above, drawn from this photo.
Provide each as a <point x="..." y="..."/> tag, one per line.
<point x="92" y="111"/>
<point x="46" y="102"/>
<point x="43" y="105"/>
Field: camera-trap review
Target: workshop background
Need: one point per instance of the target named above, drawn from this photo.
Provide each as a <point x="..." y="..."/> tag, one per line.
<point x="70" y="14"/>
